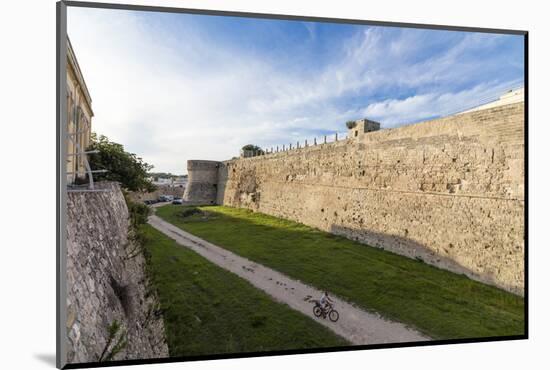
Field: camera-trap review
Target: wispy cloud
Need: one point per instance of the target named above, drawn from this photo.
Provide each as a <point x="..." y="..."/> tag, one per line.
<point x="173" y="89"/>
<point x="310" y="27"/>
<point x="396" y="112"/>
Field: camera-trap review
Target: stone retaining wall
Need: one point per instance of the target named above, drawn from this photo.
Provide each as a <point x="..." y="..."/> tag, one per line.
<point x="106" y="281"/>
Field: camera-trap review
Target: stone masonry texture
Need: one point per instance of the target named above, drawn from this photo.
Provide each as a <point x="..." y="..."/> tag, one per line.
<point x="106" y="281"/>
<point x="202" y="182"/>
<point x="448" y="191"/>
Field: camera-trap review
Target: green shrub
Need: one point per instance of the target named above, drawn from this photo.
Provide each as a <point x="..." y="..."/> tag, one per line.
<point x="137" y="213"/>
<point x="188" y="212"/>
<point x="108" y="354"/>
<point x="351" y="124"/>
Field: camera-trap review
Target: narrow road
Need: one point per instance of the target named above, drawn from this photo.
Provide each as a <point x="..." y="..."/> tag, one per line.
<point x="356" y="325"/>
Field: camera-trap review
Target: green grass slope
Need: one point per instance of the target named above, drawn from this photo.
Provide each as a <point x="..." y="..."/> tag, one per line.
<point x="208" y="310"/>
<point x="439" y="303"/>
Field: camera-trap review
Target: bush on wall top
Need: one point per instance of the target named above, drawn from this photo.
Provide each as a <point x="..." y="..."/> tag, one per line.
<point x="351" y="124"/>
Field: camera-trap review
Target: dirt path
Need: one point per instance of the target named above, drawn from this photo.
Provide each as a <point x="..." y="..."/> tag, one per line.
<point x="356" y="325"/>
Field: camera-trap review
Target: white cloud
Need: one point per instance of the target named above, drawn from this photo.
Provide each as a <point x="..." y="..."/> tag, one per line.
<point x="396" y="112"/>
<point x="165" y="107"/>
<point x="170" y="95"/>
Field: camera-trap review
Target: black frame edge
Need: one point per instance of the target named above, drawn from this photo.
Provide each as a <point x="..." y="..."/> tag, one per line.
<point x="226" y="13"/>
<point x="292" y="352"/>
<point x="61" y="286"/>
<point x="526" y="186"/>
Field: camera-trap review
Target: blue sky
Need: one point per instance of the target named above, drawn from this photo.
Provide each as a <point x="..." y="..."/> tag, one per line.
<point x="173" y="87"/>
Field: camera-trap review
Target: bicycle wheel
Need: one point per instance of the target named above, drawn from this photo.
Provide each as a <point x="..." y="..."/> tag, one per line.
<point x="317" y="311"/>
<point x="333" y="315"/>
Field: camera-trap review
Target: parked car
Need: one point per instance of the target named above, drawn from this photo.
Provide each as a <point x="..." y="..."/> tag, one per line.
<point x="166" y="198"/>
<point x="177" y="201"/>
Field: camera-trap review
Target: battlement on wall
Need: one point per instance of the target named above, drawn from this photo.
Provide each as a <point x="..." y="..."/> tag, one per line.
<point x="195" y="164"/>
<point x="358" y="128"/>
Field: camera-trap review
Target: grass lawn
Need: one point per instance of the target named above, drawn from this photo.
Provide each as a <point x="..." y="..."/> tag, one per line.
<point x="439" y="303"/>
<point x="208" y="310"/>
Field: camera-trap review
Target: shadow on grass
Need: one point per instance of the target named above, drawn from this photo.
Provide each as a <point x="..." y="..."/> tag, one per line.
<point x="413" y="249"/>
<point x="437" y="302"/>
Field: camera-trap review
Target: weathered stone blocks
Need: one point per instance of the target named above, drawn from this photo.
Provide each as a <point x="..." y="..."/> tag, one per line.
<point x="101" y="260"/>
<point x="202" y="186"/>
<point x="449" y="191"/>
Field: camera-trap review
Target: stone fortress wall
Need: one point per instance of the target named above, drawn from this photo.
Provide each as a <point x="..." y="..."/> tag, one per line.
<point x="106" y="281"/>
<point x="448" y="191"/>
<point x="202" y="183"/>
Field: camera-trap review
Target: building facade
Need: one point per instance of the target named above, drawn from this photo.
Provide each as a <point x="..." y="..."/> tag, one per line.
<point x="79" y="119"/>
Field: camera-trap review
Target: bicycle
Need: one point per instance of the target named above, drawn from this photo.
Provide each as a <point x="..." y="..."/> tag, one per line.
<point x="328" y="310"/>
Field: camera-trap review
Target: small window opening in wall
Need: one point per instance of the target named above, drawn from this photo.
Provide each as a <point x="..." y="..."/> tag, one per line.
<point x="356" y="133"/>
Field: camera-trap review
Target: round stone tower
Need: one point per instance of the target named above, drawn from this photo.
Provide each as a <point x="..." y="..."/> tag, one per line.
<point x="202" y="182"/>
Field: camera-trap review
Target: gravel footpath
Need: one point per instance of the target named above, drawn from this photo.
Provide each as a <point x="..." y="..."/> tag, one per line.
<point x="356" y="325"/>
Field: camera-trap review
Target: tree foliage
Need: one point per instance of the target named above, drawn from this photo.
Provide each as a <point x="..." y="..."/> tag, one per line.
<point x="126" y="168"/>
<point x="351" y="124"/>
<point x="164" y="175"/>
<point x="254" y="148"/>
